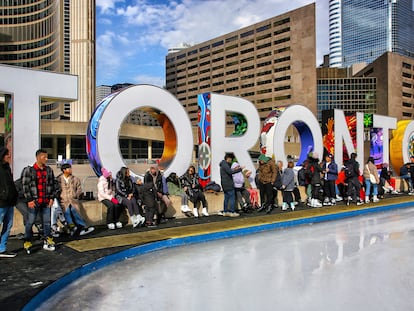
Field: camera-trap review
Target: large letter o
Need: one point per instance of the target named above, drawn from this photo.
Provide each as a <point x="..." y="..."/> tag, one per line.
<point x="109" y="121"/>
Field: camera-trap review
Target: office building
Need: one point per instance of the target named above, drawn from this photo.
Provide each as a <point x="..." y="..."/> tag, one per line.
<point x="271" y="64"/>
<point x="395" y="84"/>
<point x="361" y="31"/>
<point x="55" y="35"/>
<point x="338" y="89"/>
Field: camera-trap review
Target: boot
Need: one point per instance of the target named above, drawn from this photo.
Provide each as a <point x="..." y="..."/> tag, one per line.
<point x="375" y="199"/>
<point x="292" y="206"/>
<point x="195" y="212"/>
<point x="204" y="212"/>
<point x="366" y="199"/>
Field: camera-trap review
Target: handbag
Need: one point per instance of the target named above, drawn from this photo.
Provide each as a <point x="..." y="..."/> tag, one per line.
<point x="372" y="178"/>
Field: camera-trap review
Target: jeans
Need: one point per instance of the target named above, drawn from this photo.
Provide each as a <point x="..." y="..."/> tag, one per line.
<point x="229" y="198"/>
<point x="44" y="210"/>
<point x="368" y="188"/>
<point x="72" y="217"/>
<point x="6" y="218"/>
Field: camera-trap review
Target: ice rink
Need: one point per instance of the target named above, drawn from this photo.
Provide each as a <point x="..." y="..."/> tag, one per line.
<point x="359" y="263"/>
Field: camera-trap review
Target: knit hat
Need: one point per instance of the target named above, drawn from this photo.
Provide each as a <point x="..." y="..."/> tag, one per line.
<point x="105" y="172"/>
<point x="263" y="158"/>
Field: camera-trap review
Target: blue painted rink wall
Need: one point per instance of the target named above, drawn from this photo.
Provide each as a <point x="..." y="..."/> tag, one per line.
<point x="59" y="284"/>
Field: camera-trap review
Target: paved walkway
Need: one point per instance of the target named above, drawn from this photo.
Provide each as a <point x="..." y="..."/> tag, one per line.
<point x="26" y="275"/>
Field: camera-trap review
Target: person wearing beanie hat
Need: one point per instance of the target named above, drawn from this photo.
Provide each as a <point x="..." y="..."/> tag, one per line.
<point x="8" y="198"/>
<point x="70" y="195"/>
<point x="266" y="175"/>
<point x="106" y="173"/>
<point x="106" y="195"/>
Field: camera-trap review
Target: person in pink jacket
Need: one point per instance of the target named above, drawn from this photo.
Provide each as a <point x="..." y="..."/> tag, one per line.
<point x="106" y="195"/>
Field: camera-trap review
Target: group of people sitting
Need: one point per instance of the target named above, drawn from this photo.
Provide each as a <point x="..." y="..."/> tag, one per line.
<point x="147" y="199"/>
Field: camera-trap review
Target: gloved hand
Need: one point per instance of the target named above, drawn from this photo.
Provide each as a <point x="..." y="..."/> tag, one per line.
<point x="115" y="201"/>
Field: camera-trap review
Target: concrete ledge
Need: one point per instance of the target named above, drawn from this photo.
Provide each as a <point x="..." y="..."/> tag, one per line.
<point x="94" y="212"/>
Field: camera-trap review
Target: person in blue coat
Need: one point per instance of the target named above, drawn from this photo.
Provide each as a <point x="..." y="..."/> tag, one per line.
<point x="330" y="175"/>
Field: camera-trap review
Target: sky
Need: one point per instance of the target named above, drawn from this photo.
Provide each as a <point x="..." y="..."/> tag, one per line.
<point x="133" y="36"/>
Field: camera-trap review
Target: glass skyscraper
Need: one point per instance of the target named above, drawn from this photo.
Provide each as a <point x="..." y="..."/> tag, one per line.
<point x="370" y="28"/>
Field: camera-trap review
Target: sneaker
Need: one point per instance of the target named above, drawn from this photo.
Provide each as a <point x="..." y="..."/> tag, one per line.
<point x="49" y="244"/>
<point x="86" y="231"/>
<point x="221" y="213"/>
<point x="338" y="198"/>
<point x="359" y="202"/>
<point x="27" y="245"/>
<point x="141" y="220"/>
<point x="234" y="214"/>
<point x="410" y="193"/>
<point x="7" y="254"/>
<point x="118" y="224"/>
<point x="226" y="214"/>
<point x="111" y="226"/>
<point x="151" y="224"/>
<point x="394" y="192"/>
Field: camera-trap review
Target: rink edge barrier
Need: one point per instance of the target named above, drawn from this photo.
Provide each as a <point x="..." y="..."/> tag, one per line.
<point x="103" y="262"/>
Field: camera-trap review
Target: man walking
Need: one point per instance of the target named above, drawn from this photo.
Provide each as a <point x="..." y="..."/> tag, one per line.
<point x="8" y="199"/>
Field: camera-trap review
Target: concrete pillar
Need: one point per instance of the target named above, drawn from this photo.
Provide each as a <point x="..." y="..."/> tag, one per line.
<point x="129" y="148"/>
<point x="149" y="149"/>
<point x="54" y="147"/>
<point x="68" y="145"/>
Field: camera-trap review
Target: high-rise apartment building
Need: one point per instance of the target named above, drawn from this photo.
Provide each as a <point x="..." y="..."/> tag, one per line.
<point x="271" y="64"/>
<point x="55" y="35"/>
<point x="368" y="29"/>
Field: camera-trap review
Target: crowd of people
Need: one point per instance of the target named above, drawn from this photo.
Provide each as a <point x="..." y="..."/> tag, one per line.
<point x="53" y="204"/>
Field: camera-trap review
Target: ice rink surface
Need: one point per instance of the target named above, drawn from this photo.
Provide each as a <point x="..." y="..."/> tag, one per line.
<point x="360" y="263"/>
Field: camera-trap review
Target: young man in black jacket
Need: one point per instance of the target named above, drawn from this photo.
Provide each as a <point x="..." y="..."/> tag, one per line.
<point x="8" y="199"/>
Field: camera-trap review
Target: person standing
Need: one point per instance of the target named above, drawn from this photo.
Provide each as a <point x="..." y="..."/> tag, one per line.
<point x="352" y="174"/>
<point x="70" y="194"/>
<point x="330" y="175"/>
<point x="369" y="169"/>
<point x="266" y="176"/>
<point x="8" y="199"/>
<point x="288" y="184"/>
<point x="39" y="190"/>
<point x="227" y="184"/>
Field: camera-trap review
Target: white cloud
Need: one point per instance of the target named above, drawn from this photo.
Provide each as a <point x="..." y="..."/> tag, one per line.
<point x="107" y="6"/>
<point x="153" y="80"/>
<point x="143" y="25"/>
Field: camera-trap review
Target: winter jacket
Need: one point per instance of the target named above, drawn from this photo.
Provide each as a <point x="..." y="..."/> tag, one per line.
<point x="370" y="168"/>
<point x="316" y="171"/>
<point x="288" y="179"/>
<point x="191" y="183"/>
<point x="266" y="172"/>
<point x="226" y="174"/>
<point x="332" y="174"/>
<point x="105" y="189"/>
<point x="8" y="191"/>
<point x="29" y="182"/>
<point x="238" y="178"/>
<point x="123" y="187"/>
<point x="70" y="190"/>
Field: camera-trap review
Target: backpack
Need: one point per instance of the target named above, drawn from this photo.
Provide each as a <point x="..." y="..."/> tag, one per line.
<point x="278" y="182"/>
<point x="212" y="187"/>
<point x="349" y="169"/>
